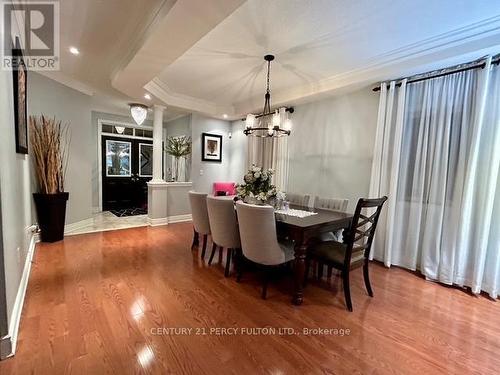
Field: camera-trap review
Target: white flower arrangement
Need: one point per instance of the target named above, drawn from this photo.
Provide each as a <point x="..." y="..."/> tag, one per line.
<point x="257" y="185"/>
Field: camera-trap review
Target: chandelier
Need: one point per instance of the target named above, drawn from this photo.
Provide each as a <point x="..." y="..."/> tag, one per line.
<point x="268" y="123"/>
<point x="138" y="112"/>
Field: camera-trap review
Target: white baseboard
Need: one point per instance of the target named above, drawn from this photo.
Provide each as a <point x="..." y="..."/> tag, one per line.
<point x="68" y="228"/>
<point x="169" y="220"/>
<point x="158" y="222"/>
<point x="21" y="294"/>
<point x="179" y="218"/>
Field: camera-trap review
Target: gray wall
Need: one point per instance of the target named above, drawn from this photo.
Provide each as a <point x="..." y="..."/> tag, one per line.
<point x="330" y="149"/>
<point x="16" y="196"/>
<point x="51" y="98"/>
<point x="205" y="173"/>
<point x="4" y="326"/>
<point x="176" y="128"/>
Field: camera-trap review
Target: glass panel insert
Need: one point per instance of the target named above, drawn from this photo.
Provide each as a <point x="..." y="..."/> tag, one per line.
<point x="145" y="160"/>
<point x="118" y="158"/>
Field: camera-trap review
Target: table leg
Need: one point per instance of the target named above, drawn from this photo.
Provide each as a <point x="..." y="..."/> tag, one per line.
<point x="299" y="272"/>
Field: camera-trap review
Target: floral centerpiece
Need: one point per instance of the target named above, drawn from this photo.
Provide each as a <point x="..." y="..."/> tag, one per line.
<point x="257" y="186"/>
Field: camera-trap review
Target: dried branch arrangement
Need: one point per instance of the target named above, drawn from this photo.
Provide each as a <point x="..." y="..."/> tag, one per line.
<point x="49" y="144"/>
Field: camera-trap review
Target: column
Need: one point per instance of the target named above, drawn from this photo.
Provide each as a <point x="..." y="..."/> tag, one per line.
<point x="157" y="187"/>
<point x="157" y="143"/>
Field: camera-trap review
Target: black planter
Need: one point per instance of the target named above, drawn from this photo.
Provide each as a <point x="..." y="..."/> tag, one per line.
<point x="51" y="212"/>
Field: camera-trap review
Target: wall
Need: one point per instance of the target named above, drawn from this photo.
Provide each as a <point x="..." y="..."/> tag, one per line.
<point x="51" y="98"/>
<point x="239" y="149"/>
<point x="330" y="149"/>
<point x="15" y="200"/>
<point x="205" y="173"/>
<point x="176" y="128"/>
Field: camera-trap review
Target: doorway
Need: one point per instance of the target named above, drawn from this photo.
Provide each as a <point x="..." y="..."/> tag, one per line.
<point x="127" y="166"/>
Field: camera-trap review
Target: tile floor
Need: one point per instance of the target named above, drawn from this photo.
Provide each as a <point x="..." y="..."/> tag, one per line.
<point x="104" y="221"/>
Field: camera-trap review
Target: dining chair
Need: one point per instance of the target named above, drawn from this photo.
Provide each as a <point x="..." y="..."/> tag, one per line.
<point x="224" y="227"/>
<point x="355" y="250"/>
<point x="259" y="242"/>
<point x="332" y="204"/>
<point x="201" y="223"/>
<point x="298" y="199"/>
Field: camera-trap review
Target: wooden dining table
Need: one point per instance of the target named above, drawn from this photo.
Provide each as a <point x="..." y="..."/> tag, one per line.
<point x="304" y="230"/>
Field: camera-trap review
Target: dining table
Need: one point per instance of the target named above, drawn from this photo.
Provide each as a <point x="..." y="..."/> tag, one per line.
<point x="305" y="230"/>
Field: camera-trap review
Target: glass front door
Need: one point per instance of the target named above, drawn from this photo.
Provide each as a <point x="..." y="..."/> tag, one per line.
<point x="127" y="166"/>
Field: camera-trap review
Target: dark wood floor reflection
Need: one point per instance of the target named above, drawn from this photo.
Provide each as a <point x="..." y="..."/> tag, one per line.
<point x="104" y="303"/>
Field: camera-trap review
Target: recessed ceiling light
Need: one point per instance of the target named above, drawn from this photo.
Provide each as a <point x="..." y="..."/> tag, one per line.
<point x="147" y="96"/>
<point x="224" y="115"/>
<point x="74" y="50"/>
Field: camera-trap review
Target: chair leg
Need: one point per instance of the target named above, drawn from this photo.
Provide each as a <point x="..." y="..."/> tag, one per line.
<point x="228" y="262"/>
<point x="214" y="247"/>
<point x="264" y="284"/>
<point x="306" y="273"/>
<point x="329" y="273"/>
<point x="347" y="290"/>
<point x="320" y="270"/>
<point x="239" y="265"/>
<point x="205" y="236"/>
<point x="366" y="276"/>
<point x="196" y="240"/>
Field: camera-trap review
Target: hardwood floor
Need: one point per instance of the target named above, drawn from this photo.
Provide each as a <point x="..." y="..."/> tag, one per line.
<point x="103" y="303"/>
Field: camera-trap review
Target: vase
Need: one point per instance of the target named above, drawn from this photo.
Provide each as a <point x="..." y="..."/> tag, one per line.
<point x="51" y="213"/>
<point x="253" y="200"/>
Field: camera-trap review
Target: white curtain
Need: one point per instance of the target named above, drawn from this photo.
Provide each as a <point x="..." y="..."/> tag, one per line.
<point x="437" y="157"/>
<point x="271" y="152"/>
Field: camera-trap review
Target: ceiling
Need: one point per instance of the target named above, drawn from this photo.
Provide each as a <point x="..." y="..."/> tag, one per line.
<point x="207" y="56"/>
<point x="106" y="32"/>
<point x="314" y="42"/>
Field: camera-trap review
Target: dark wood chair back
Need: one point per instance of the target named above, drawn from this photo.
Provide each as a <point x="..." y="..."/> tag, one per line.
<point x="360" y="234"/>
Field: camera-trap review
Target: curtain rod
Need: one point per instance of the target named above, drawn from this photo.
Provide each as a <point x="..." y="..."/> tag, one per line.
<point x="473" y="65"/>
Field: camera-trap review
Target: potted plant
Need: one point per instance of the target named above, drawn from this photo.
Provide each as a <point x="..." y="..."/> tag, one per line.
<point x="257" y="187"/>
<point x="178" y="147"/>
<point x="49" y="143"/>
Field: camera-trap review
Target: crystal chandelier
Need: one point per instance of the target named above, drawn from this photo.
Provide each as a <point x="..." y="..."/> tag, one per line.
<point x="268" y="123"/>
<point x="138" y="112"/>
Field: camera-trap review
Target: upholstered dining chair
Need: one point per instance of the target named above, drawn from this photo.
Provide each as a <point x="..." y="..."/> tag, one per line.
<point x="224" y="227"/>
<point x="201" y="223"/>
<point x="298" y="199"/>
<point x="355" y="250"/>
<point x="333" y="204"/>
<point x="259" y="242"/>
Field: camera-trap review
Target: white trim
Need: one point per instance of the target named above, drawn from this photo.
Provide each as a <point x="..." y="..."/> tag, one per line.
<point x="180" y="184"/>
<point x="15" y="318"/>
<point x="180" y="218"/>
<point x="100" y="122"/>
<point x="158" y="222"/>
<point x="169" y="220"/>
<point x="68" y="81"/>
<point x="68" y="228"/>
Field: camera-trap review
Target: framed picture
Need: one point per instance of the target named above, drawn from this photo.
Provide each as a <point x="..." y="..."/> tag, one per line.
<point x="211" y="147"/>
<point x="20" y="76"/>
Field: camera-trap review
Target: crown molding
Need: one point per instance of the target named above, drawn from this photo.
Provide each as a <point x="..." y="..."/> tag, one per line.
<point x="159" y="89"/>
<point x="66" y="80"/>
<point x="454" y="43"/>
